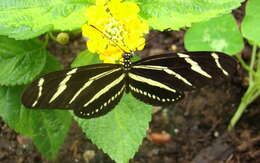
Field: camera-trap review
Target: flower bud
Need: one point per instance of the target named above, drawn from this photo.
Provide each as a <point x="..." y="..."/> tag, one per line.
<point x="63" y="38"/>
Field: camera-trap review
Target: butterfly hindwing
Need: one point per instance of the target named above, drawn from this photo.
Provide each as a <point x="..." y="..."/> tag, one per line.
<point x="101" y="97"/>
<point x="152" y="91"/>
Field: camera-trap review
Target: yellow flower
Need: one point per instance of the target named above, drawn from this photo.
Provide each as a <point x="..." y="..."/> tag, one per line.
<point x="113" y="28"/>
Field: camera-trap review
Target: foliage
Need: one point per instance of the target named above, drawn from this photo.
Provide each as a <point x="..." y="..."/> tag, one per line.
<point x="21" y="61"/>
<point x="251" y="21"/>
<point x="250" y="29"/>
<point x="26" y="19"/>
<point x="226" y="28"/>
<point x="169" y="14"/>
<point x="120" y="132"/>
<point x="23" y="57"/>
<point x="47" y="129"/>
<point x="217" y="34"/>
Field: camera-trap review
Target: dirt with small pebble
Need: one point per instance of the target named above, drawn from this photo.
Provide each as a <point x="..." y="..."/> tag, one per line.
<point x="195" y="128"/>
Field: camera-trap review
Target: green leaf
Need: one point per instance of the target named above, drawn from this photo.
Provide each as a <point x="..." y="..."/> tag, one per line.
<point x="29" y="18"/>
<point x="20" y="61"/>
<point x="26" y="19"/>
<point x="136" y="57"/>
<point x="250" y="26"/>
<point x="120" y="132"/>
<point x="47" y="128"/>
<point x="218" y="34"/>
<point x="163" y="14"/>
<point x="85" y="58"/>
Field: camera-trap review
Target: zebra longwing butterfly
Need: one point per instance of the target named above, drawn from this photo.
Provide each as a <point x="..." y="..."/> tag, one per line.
<point x="94" y="90"/>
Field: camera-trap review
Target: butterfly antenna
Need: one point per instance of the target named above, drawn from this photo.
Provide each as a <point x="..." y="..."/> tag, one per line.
<point x="107" y="36"/>
<point x="151" y="38"/>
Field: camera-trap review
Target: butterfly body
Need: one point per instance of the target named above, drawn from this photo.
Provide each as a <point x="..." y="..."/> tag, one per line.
<point x="94" y="90"/>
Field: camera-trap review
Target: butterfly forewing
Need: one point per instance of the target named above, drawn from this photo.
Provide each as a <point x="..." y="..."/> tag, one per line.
<point x="63" y="89"/>
<point x="186" y="71"/>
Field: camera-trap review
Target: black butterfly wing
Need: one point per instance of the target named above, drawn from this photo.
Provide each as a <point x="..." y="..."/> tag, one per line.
<point x="152" y="91"/>
<point x="74" y="88"/>
<point x="179" y="72"/>
<point x="105" y="94"/>
<point x="94" y="90"/>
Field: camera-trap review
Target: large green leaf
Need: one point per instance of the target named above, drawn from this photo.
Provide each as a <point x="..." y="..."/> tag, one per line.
<point x="47" y="128"/>
<point x="218" y="34"/>
<point x="26" y="19"/>
<point x="29" y="18"/>
<point x="251" y="22"/>
<point x="20" y="61"/>
<point x="120" y="132"/>
<point x="175" y="14"/>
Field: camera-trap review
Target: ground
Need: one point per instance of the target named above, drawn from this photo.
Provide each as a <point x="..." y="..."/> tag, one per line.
<point x="197" y="125"/>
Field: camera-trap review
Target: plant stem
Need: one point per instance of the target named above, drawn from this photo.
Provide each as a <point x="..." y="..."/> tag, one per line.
<point x="253" y="90"/>
<point x="250" y="95"/>
<point x="46" y="41"/>
<point x="258" y="65"/>
<point x="244" y="65"/>
<point x="52" y="37"/>
<point x="252" y="63"/>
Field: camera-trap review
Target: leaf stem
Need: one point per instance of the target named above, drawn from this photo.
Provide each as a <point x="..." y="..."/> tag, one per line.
<point x="52" y="37"/>
<point x="244" y="65"/>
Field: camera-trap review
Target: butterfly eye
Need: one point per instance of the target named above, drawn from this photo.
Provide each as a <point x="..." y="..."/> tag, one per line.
<point x="124" y="55"/>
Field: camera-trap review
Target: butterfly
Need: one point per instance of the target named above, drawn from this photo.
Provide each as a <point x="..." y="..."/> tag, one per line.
<point x="94" y="90"/>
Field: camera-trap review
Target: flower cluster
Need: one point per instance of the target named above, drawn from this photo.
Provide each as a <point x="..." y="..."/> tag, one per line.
<point x="113" y="28"/>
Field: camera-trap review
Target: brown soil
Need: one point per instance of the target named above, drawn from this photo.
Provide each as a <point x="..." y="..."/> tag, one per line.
<point x="197" y="125"/>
